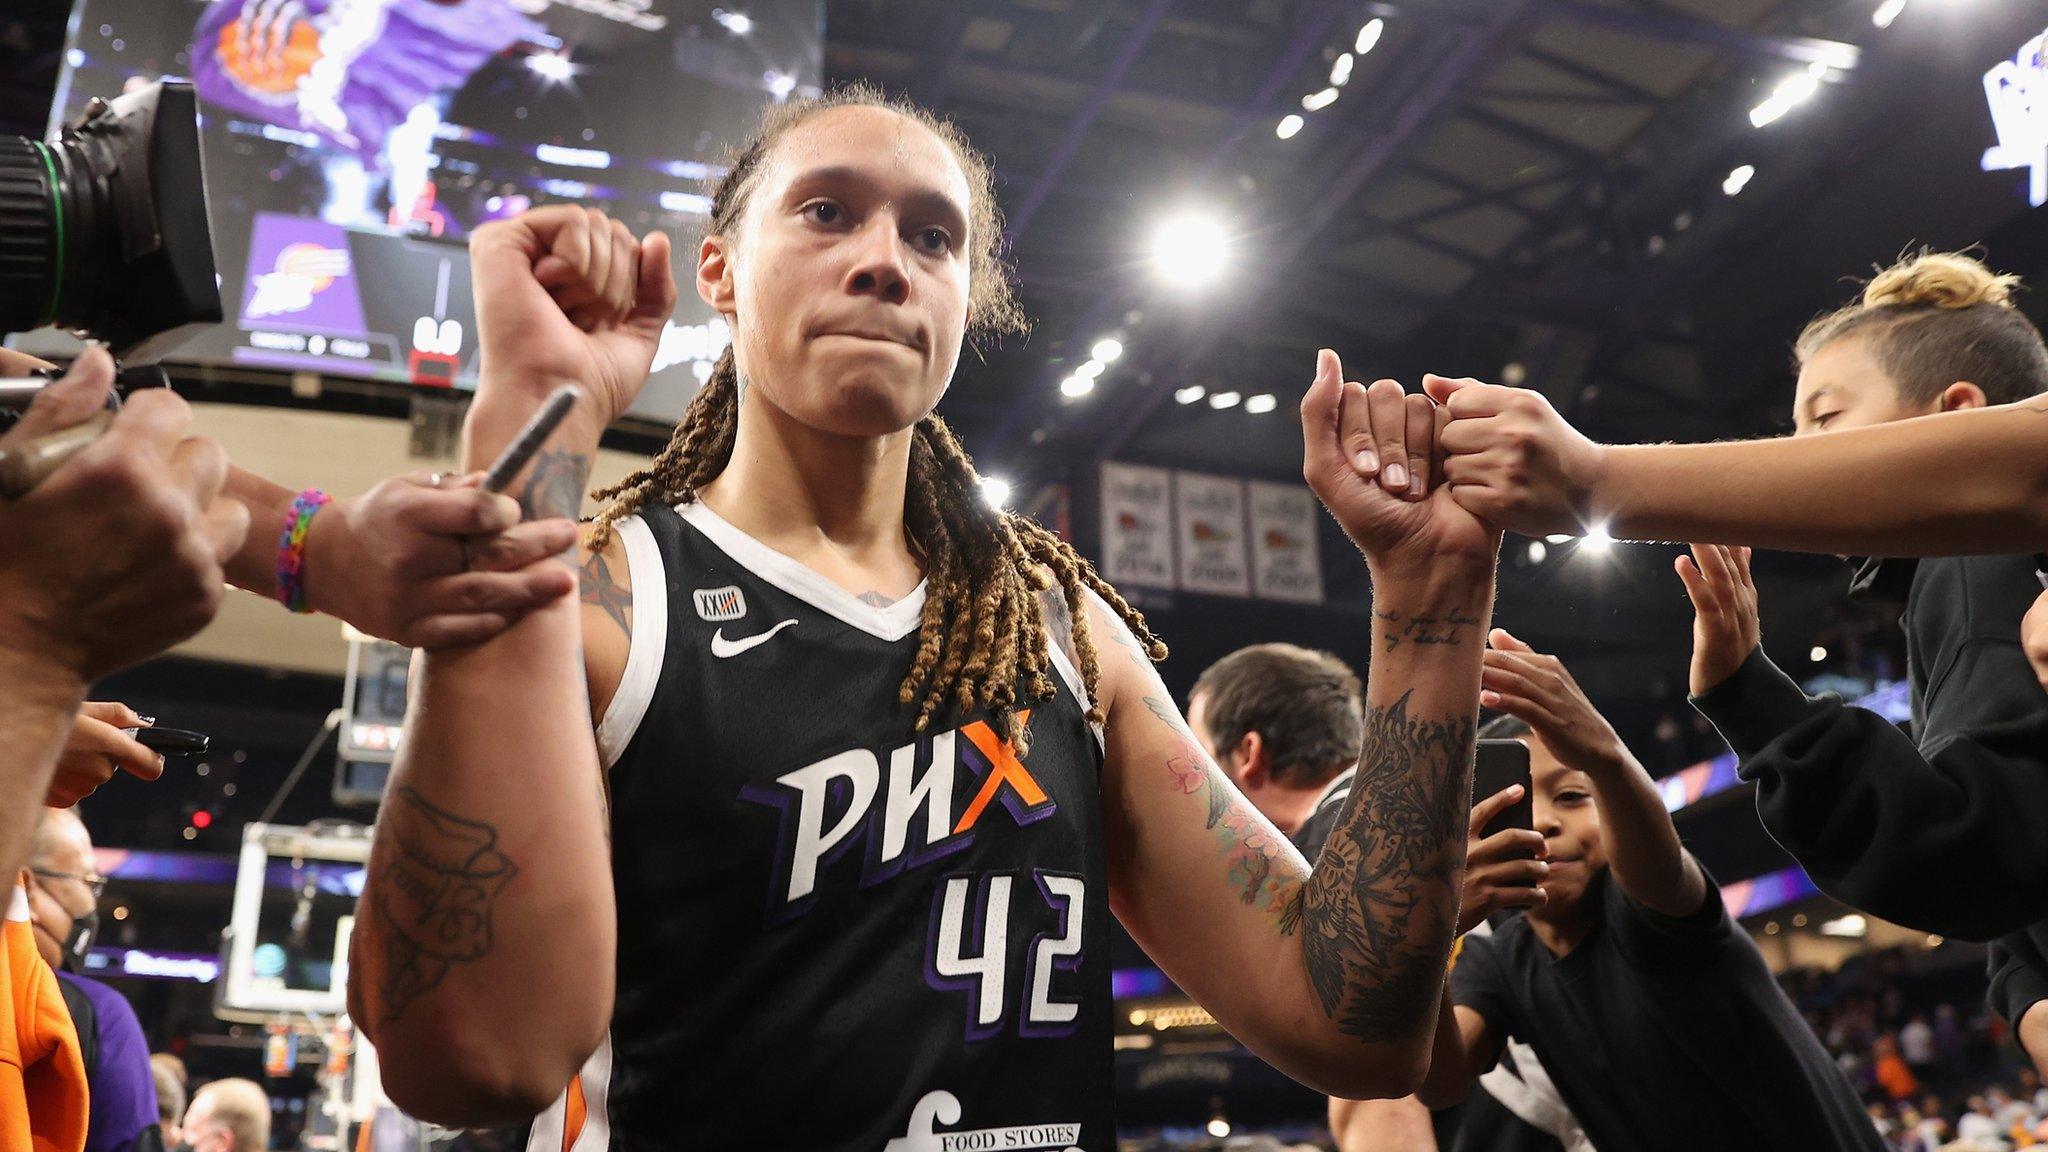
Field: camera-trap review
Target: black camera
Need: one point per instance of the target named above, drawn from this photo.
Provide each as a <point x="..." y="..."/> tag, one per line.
<point x="105" y="231"/>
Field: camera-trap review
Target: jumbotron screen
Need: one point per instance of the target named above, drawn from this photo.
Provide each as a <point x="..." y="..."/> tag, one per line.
<point x="351" y="146"/>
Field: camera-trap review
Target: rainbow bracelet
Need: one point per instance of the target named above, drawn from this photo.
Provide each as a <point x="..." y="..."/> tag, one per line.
<point x="291" y="549"/>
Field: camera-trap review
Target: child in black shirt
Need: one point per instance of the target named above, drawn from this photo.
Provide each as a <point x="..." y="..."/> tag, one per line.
<point x="1652" y="1011"/>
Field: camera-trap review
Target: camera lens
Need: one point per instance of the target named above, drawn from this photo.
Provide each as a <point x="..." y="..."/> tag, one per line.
<point x="105" y="231"/>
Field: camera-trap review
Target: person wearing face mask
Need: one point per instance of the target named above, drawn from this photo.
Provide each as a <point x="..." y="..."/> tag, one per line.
<point x="64" y="890"/>
<point x="227" y="1116"/>
<point x="1652" y="1012"/>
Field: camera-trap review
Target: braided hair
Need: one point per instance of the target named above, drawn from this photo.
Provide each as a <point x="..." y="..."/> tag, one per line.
<point x="982" y="640"/>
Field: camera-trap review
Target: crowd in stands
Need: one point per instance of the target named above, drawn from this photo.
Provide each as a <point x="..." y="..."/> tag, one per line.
<point x="1938" y="1071"/>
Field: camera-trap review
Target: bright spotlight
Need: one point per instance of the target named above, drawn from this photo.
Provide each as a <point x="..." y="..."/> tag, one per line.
<point x="1557" y="538"/>
<point x="1261" y="404"/>
<point x="737" y="23"/>
<point x="1887" y="12"/>
<point x="1537" y="551"/>
<point x="1288" y="126"/>
<point x="1818" y="654"/>
<point x="1792" y="91"/>
<point x="1219" y="1127"/>
<point x="1223" y="400"/>
<point x="1340" y="72"/>
<point x="995" y="491"/>
<point x="1091" y="369"/>
<point x="1076" y="386"/>
<point x="1738" y="179"/>
<point x="1598" y="541"/>
<point x="1190" y="249"/>
<point x="1189" y="394"/>
<point x="1369" y="35"/>
<point x="1852" y="926"/>
<point x="1107" y="350"/>
<point x="1317" y="101"/>
<point x="779" y="84"/>
<point x="551" y="67"/>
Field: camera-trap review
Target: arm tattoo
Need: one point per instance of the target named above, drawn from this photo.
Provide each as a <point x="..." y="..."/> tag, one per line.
<point x="1250" y="845"/>
<point x="1425" y="629"/>
<point x="554" y="486"/>
<point x="600" y="590"/>
<point x="432" y="890"/>
<point x="1377" y="915"/>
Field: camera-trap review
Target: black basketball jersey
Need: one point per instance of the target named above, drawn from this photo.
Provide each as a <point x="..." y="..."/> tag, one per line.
<point x="836" y="933"/>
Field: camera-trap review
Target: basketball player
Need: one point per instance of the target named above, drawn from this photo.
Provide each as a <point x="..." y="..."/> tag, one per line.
<point x="803" y="832"/>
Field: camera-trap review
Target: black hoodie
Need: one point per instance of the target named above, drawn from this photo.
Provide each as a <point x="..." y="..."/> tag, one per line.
<point x="1950" y="836"/>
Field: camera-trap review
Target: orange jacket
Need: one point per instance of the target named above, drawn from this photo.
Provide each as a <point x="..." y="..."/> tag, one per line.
<point x="43" y="1102"/>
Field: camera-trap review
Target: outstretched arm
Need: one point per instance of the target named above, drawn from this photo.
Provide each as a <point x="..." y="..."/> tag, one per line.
<point x="490" y="875"/>
<point x="1333" y="975"/>
<point x="1973" y="482"/>
<point x="1642" y="845"/>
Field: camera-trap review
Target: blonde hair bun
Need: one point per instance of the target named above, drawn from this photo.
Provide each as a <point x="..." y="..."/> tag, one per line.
<point x="1939" y="280"/>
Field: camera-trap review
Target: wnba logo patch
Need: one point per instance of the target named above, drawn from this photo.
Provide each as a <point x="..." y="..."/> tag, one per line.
<point x="716" y="604"/>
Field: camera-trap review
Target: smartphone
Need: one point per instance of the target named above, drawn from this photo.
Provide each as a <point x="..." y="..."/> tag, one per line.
<point x="1502" y="763"/>
<point x="172" y="741"/>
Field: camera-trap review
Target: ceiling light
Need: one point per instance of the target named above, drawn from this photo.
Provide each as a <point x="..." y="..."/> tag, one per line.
<point x="995" y="491"/>
<point x="1537" y="551"/>
<point x="1887" y="12"/>
<point x="1225" y="400"/>
<point x="1261" y="404"/>
<point x="1219" y="1127"/>
<point x="551" y="67"/>
<point x="1288" y="126"/>
<point x="1794" y="90"/>
<point x="737" y="23"/>
<point x="1189" y="394"/>
<point x="1558" y="538"/>
<point x="1107" y="350"/>
<point x="1598" y="541"/>
<point x="1076" y="386"/>
<point x="1340" y="72"/>
<point x="1738" y="179"/>
<point x="1818" y="654"/>
<point x="1190" y="249"/>
<point x="1369" y="36"/>
<point x="1317" y="101"/>
<point x="1851" y="926"/>
<point x="1090" y="370"/>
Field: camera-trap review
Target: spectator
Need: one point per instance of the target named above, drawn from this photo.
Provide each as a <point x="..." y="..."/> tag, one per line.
<point x="1978" y="1130"/>
<point x="169" y="1074"/>
<point x="1949" y="1040"/>
<point x="1892" y="1074"/>
<point x="2009" y="1112"/>
<point x="228" y="1116"/>
<point x="64" y="892"/>
<point x="1916" y="1045"/>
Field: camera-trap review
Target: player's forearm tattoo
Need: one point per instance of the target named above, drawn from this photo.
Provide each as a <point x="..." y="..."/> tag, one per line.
<point x="1432" y="628"/>
<point x="554" y="485"/>
<point x="600" y="590"/>
<point x="1249" y="844"/>
<point x="1377" y="916"/>
<point x="433" y="886"/>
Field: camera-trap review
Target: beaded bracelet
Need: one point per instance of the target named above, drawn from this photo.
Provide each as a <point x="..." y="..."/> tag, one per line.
<point x="291" y="549"/>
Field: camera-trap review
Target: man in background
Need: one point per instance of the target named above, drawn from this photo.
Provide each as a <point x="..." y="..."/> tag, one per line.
<point x="169" y="1072"/>
<point x="64" y="889"/>
<point x="228" y="1116"/>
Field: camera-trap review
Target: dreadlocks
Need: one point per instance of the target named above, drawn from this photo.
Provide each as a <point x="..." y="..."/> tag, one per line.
<point x="982" y="636"/>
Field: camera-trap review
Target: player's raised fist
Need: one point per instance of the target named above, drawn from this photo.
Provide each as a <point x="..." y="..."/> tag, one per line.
<point x="566" y="294"/>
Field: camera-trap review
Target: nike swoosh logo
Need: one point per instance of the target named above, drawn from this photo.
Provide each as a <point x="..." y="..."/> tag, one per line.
<point x="727" y="649"/>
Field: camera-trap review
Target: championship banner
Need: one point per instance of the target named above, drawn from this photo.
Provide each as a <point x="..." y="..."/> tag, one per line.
<point x="1137" y="525"/>
<point x="1287" y="561"/>
<point x="1210" y="514"/>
